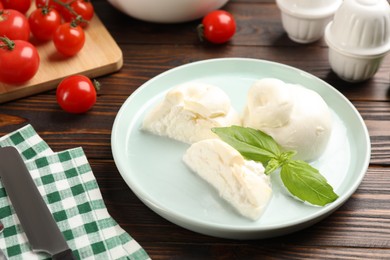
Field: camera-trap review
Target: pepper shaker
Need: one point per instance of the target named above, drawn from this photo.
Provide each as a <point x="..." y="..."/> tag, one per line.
<point x="358" y="38"/>
<point x="305" y="20"/>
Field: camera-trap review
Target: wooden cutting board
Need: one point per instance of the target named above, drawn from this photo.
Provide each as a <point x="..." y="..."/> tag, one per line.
<point x="100" y="55"/>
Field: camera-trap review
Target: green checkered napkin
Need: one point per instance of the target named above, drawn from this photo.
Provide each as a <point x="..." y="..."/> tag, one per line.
<point x="68" y="186"/>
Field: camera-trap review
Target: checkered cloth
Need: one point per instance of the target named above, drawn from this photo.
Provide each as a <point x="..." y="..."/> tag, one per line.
<point x="68" y="186"/>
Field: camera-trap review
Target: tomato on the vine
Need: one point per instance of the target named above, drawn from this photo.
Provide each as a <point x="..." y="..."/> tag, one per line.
<point x="19" y="5"/>
<point x="218" y="26"/>
<point x="14" y="25"/>
<point x="83" y="8"/>
<point x="69" y="39"/>
<point x="43" y="23"/>
<point x="19" y="61"/>
<point x="76" y="94"/>
<point x="51" y="4"/>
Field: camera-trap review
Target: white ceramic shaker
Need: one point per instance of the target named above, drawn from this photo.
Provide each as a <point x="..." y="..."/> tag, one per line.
<point x="358" y="38"/>
<point x="305" y="20"/>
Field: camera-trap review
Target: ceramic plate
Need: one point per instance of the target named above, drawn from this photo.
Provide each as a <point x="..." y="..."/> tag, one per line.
<point x="152" y="165"/>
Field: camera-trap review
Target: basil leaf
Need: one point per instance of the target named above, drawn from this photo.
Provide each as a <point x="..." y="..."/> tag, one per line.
<point x="272" y="166"/>
<point x="302" y="180"/>
<point x="306" y="183"/>
<point x="251" y="143"/>
<point x="286" y="156"/>
<point x="276" y="163"/>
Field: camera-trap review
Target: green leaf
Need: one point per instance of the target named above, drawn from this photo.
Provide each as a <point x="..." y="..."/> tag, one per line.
<point x="272" y="166"/>
<point x="302" y="180"/>
<point x="251" y="143"/>
<point x="306" y="183"/>
<point x="286" y="156"/>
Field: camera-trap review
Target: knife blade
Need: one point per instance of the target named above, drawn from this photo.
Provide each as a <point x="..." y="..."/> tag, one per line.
<point x="2" y="255"/>
<point x="41" y="229"/>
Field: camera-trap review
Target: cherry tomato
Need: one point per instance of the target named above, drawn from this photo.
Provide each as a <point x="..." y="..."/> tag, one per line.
<point x="218" y="26"/>
<point x="44" y="22"/>
<point x="76" y="94"/>
<point x="14" y="25"/>
<point x="69" y="39"/>
<point x="1" y="6"/>
<point x="19" y="5"/>
<point x="83" y="8"/>
<point x="19" y="61"/>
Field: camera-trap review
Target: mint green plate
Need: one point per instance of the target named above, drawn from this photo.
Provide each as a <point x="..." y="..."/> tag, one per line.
<point x="153" y="169"/>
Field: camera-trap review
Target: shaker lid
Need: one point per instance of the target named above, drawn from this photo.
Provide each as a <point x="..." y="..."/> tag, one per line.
<point x="309" y="8"/>
<point x="360" y="27"/>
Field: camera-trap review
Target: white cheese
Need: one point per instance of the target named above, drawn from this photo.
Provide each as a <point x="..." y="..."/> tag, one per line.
<point x="297" y="118"/>
<point x="189" y="111"/>
<point x="240" y="182"/>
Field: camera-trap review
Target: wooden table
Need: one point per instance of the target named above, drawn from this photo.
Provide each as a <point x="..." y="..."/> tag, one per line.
<point x="359" y="229"/>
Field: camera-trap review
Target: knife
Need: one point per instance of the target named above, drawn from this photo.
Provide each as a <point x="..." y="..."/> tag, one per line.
<point x="2" y="255"/>
<point x="41" y="229"/>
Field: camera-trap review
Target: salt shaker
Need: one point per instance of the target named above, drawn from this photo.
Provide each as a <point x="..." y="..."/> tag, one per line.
<point x="305" y="20"/>
<point x="358" y="38"/>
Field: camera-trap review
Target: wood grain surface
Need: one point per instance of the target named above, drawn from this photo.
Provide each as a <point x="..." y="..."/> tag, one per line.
<point x="360" y="229"/>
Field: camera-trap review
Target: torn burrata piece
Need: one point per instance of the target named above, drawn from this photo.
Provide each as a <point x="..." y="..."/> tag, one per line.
<point x="189" y="111"/>
<point x="297" y="118"/>
<point x="240" y="182"/>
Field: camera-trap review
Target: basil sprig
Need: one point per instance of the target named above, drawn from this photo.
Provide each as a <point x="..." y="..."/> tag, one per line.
<point x="300" y="178"/>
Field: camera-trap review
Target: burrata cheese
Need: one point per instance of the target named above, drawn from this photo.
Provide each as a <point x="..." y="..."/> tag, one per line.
<point x="240" y="182"/>
<point x="296" y="117"/>
<point x="189" y="111"/>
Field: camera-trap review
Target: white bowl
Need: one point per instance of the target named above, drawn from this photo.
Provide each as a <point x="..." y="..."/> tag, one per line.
<point x="305" y="20"/>
<point x="167" y="11"/>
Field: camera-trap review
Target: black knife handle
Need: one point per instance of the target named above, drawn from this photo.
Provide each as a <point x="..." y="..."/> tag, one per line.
<point x="64" y="255"/>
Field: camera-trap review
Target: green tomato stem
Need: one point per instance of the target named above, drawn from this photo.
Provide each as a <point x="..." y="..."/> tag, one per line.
<point x="9" y="44"/>
<point x="200" y="30"/>
<point x="97" y="85"/>
<point x="45" y="10"/>
<point x="79" y="19"/>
